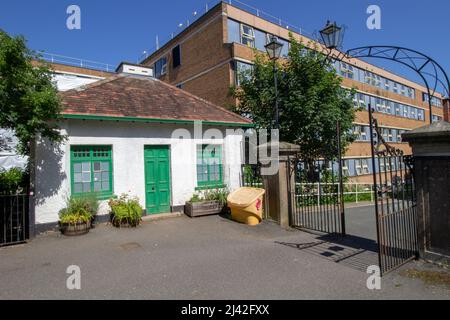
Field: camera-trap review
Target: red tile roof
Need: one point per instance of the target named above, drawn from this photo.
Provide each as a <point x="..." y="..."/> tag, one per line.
<point x="141" y="97"/>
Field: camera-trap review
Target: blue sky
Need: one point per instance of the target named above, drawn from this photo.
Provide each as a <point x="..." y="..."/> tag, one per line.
<point x="114" y="31"/>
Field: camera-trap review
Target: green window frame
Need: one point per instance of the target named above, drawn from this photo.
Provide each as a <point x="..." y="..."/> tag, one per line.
<point x="209" y="166"/>
<point x="91" y="171"/>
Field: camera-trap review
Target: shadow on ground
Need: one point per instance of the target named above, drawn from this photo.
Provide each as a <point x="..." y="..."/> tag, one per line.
<point x="353" y="251"/>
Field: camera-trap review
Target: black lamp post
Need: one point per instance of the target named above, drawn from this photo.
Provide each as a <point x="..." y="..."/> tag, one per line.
<point x="273" y="49"/>
<point x="332" y="35"/>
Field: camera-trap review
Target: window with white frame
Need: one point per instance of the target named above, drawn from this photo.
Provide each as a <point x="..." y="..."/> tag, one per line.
<point x="247" y="36"/>
<point x="420" y="114"/>
<point x="399" y="135"/>
<point x="160" y="67"/>
<point x="395" y="87"/>
<point x="345" y="170"/>
<point x="376" y="80"/>
<point x="403" y="90"/>
<point x="406" y="111"/>
<point x="347" y="70"/>
<point x="362" y="166"/>
<point x="243" y="72"/>
<point x="360" y="133"/>
<point x="397" y="108"/>
<point x="410" y="92"/>
<point x="358" y="167"/>
<point x="390" y="136"/>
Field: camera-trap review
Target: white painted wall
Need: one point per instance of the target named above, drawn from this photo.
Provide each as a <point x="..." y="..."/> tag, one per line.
<point x="132" y="69"/>
<point x="128" y="141"/>
<point x="67" y="81"/>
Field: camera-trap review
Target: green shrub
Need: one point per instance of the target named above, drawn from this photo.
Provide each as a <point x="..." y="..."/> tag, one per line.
<point x="195" y="198"/>
<point x="126" y="210"/>
<point x="219" y="194"/>
<point x="78" y="210"/>
<point x="13" y="180"/>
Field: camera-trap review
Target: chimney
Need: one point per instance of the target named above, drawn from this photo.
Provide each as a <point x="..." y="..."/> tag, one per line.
<point x="137" y="69"/>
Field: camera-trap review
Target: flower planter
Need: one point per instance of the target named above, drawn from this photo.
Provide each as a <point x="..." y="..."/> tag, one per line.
<point x="75" y="229"/>
<point x="202" y="208"/>
<point x="124" y="223"/>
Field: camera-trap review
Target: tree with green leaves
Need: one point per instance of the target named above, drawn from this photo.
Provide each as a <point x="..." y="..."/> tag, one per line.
<point x="29" y="101"/>
<point x="311" y="101"/>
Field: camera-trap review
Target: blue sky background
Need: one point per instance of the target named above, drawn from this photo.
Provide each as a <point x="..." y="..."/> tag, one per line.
<point x="114" y="31"/>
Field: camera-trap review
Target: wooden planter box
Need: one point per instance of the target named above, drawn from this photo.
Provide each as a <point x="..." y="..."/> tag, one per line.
<point x="204" y="208"/>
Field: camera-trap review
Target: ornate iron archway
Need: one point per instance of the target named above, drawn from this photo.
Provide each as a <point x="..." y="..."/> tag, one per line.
<point x="433" y="75"/>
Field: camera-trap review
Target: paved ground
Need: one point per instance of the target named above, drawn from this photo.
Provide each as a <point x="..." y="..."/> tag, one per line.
<point x="202" y="258"/>
<point x="360" y="221"/>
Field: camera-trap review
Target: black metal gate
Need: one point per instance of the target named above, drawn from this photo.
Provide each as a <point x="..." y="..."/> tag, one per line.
<point x="395" y="203"/>
<point x="13" y="219"/>
<point x="317" y="201"/>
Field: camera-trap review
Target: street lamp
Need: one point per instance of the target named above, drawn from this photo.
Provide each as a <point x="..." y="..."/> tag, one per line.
<point x="332" y="35"/>
<point x="273" y="49"/>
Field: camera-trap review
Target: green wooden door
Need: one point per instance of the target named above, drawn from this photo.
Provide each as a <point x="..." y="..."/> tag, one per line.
<point x="157" y="179"/>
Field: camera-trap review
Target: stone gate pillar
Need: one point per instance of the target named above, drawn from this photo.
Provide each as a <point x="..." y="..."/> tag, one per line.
<point x="278" y="185"/>
<point x="431" y="150"/>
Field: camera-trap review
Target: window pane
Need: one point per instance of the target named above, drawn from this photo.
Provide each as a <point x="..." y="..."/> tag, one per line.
<point x="233" y="31"/>
<point x="260" y="40"/>
<point x="97" y="186"/>
<point x="243" y="72"/>
<point x="105" y="176"/>
<point x="97" y="166"/>
<point x="86" y="166"/>
<point x="97" y="176"/>
<point x="105" y="166"/>
<point x="77" y="188"/>
<point x="77" y="177"/>
<point x="105" y="186"/>
<point x="86" y="187"/>
<point x="285" y="48"/>
<point x="86" y="177"/>
<point x="77" y="167"/>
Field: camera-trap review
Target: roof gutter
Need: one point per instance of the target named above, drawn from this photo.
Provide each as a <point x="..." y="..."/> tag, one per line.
<point x="154" y="120"/>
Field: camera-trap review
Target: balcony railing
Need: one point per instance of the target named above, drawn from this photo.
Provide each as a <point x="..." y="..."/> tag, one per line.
<point x="76" y="62"/>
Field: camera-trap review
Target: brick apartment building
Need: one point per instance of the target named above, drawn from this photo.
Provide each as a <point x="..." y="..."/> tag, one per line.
<point x="207" y="57"/>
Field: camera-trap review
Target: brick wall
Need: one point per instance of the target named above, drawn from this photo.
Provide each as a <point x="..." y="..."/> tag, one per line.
<point x="205" y="59"/>
<point x="446" y="110"/>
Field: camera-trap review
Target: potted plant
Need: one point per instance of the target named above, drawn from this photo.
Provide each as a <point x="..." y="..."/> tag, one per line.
<point x="207" y="202"/>
<point x="75" y="219"/>
<point x="125" y="211"/>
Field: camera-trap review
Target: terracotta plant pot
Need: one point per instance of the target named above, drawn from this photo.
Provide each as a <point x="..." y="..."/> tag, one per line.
<point x="75" y="229"/>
